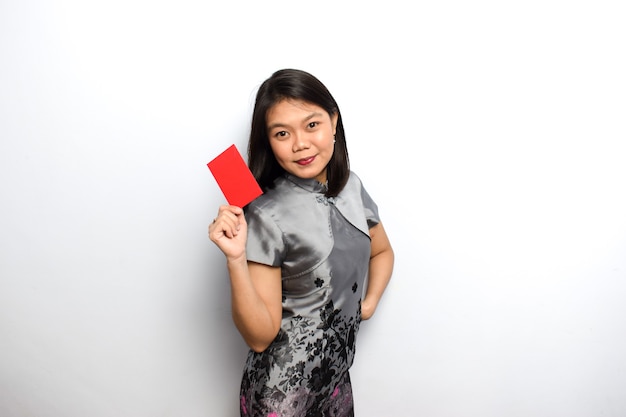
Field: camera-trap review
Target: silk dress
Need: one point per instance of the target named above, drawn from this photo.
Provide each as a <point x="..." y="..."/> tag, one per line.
<point x="322" y="246"/>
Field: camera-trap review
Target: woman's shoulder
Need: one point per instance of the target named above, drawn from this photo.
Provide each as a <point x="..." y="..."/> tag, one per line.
<point x="354" y="182"/>
<point x="354" y="177"/>
<point x="275" y="197"/>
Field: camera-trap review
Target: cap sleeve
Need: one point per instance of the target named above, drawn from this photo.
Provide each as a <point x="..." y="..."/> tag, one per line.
<point x="265" y="243"/>
<point x="370" y="207"/>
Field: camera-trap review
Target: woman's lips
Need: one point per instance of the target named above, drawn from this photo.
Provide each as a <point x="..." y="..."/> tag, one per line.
<point x="305" y="161"/>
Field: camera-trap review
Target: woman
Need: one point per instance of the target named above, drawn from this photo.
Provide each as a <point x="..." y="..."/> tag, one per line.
<point x="301" y="254"/>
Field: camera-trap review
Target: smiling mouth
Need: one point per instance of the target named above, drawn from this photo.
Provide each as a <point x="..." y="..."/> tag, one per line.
<point x="305" y="161"/>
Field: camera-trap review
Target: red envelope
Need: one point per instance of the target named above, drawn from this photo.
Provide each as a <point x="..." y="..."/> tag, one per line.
<point x="234" y="177"/>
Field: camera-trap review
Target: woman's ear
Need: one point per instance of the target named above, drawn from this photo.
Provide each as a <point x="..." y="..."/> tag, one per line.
<point x="333" y="118"/>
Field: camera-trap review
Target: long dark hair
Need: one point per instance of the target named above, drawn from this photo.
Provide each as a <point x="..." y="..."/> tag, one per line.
<point x="298" y="85"/>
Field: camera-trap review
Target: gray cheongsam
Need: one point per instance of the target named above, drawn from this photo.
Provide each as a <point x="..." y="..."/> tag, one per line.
<point x="323" y="248"/>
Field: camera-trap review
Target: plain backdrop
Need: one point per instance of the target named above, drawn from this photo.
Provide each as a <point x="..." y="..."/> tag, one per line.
<point x="491" y="134"/>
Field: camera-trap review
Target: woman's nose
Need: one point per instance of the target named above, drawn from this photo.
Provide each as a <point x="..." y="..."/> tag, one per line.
<point x="300" y="142"/>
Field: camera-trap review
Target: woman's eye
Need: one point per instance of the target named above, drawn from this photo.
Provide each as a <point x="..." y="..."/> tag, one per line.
<point x="281" y="134"/>
<point x="312" y="125"/>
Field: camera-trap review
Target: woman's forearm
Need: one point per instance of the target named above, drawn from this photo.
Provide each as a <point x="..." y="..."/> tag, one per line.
<point x="380" y="270"/>
<point x="254" y="313"/>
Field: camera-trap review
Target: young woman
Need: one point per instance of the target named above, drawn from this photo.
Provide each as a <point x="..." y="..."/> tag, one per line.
<point x="308" y="260"/>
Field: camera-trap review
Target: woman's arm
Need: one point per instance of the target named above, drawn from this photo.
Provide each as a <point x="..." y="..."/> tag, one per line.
<point x="256" y="289"/>
<point x="381" y="267"/>
<point x="256" y="298"/>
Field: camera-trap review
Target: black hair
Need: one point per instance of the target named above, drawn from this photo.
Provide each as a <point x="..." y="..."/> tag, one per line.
<point x="297" y="85"/>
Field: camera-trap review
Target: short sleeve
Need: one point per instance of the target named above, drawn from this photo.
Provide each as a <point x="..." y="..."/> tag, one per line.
<point x="370" y="207"/>
<point x="265" y="243"/>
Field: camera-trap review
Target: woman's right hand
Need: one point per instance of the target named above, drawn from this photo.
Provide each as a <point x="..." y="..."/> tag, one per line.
<point x="229" y="232"/>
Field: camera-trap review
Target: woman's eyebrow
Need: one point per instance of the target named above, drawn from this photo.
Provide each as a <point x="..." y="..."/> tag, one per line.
<point x="275" y="125"/>
<point x="312" y="116"/>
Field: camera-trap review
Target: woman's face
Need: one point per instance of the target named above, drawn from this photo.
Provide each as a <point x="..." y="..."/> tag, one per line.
<point x="302" y="137"/>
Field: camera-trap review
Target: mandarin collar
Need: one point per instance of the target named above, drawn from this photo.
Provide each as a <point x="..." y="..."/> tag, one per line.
<point x="310" y="184"/>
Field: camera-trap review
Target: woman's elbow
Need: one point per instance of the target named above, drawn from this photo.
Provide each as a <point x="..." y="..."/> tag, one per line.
<point x="259" y="343"/>
<point x="258" y="347"/>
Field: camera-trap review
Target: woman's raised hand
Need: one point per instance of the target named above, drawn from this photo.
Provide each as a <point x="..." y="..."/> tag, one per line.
<point x="229" y="232"/>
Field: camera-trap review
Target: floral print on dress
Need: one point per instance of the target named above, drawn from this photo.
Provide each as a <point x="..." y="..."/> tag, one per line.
<point x="316" y="385"/>
<point x="305" y="371"/>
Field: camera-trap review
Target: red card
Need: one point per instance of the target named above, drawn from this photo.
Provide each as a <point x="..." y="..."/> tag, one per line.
<point x="234" y="178"/>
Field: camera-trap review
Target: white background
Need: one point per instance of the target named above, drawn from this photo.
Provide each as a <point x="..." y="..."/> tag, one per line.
<point x="491" y="134"/>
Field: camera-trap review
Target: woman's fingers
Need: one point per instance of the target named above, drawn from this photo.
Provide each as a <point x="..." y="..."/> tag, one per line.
<point x="227" y="223"/>
<point x="228" y="231"/>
